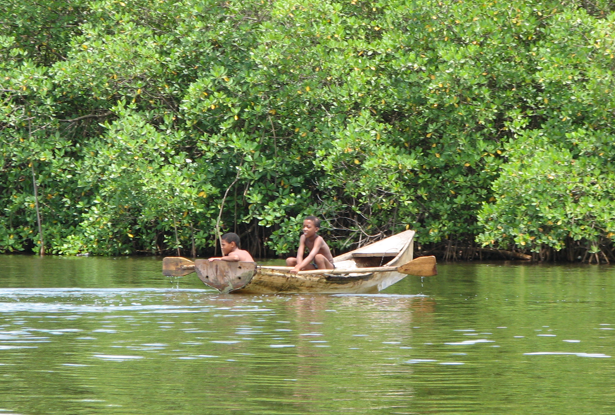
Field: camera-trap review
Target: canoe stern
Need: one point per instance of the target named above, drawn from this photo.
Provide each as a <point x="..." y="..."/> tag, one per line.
<point x="225" y="276"/>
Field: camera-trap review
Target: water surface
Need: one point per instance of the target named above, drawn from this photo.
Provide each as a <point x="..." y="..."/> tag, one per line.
<point x="114" y="336"/>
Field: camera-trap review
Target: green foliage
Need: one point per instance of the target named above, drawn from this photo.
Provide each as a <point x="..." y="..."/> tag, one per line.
<point x="550" y="195"/>
<point x="141" y="122"/>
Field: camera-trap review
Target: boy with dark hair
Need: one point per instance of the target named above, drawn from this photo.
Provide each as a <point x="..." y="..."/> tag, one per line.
<point x="319" y="256"/>
<point x="230" y="249"/>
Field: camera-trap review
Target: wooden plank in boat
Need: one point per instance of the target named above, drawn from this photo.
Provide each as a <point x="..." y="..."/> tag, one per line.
<point x="374" y="254"/>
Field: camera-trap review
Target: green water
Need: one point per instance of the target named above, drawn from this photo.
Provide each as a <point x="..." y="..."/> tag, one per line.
<point x="113" y="336"/>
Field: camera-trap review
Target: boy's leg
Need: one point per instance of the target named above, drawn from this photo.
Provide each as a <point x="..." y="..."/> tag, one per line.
<point x="292" y="262"/>
<point x="322" y="262"/>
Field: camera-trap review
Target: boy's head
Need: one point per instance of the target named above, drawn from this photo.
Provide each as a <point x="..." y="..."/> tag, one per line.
<point x="314" y="220"/>
<point x="228" y="242"/>
<point x="311" y="224"/>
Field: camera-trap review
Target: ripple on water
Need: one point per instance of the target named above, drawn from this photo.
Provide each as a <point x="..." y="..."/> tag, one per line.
<point x="597" y="355"/>
<point x="117" y="358"/>
<point x="469" y="342"/>
<point x="415" y="361"/>
<point x="4" y="347"/>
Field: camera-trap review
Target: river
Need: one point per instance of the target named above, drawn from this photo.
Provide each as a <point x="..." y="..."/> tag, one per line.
<point x="114" y="336"/>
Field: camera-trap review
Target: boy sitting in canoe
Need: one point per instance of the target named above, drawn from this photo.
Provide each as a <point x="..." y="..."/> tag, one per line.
<point x="319" y="256"/>
<point x="230" y="249"/>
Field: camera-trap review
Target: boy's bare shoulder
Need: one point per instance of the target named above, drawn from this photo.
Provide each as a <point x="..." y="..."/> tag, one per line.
<point x="244" y="256"/>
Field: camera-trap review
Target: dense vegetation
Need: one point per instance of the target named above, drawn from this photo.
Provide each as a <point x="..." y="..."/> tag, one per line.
<point x="135" y="126"/>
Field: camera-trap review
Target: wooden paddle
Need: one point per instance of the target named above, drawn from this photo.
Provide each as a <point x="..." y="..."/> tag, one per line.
<point x="424" y="266"/>
<point x="176" y="266"/>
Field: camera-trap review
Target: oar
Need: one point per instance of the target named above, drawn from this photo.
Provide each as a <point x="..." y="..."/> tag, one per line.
<point x="424" y="266"/>
<point x="176" y="266"/>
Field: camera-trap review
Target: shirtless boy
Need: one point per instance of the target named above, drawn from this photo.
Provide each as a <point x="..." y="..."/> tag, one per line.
<point x="231" y="251"/>
<point x="319" y="256"/>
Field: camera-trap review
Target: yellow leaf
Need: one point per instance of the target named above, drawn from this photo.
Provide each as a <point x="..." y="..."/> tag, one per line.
<point x="307" y="88"/>
<point x="131" y="235"/>
<point x="356" y="161"/>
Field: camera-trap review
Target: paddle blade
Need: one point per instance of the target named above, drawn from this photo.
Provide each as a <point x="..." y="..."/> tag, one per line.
<point x="175" y="266"/>
<point x="424" y="266"/>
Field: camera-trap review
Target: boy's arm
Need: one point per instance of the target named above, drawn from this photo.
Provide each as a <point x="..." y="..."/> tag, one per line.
<point x="234" y="257"/>
<point x="229" y="258"/>
<point x="301" y="249"/>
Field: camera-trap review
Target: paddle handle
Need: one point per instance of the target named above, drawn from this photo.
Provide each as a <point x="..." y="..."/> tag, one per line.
<point x="347" y="271"/>
<point x="421" y="267"/>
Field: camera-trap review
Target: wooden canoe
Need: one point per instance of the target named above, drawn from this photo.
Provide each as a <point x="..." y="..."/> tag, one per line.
<point x="368" y="269"/>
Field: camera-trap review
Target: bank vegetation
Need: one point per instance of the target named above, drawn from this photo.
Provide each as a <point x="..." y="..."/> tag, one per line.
<point x="143" y="126"/>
